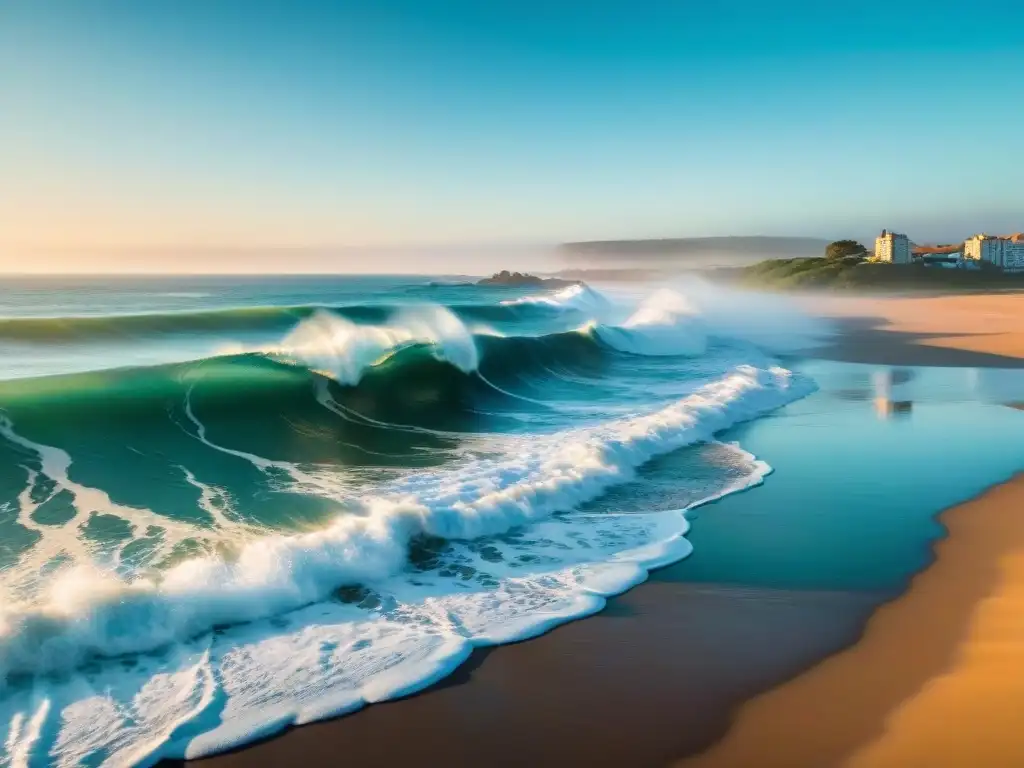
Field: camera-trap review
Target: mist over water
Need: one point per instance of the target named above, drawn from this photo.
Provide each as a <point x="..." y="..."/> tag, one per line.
<point x="264" y="502"/>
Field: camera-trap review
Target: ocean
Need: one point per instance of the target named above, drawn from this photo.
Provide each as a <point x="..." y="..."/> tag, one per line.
<point x="233" y="504"/>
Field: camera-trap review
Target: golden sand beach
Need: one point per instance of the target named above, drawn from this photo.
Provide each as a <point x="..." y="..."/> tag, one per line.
<point x="955" y="330"/>
<point x="937" y="680"/>
<point x="938" y="677"/>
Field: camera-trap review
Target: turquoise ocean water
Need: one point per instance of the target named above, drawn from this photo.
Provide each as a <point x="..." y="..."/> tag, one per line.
<point x="229" y="505"/>
<point x="862" y="467"/>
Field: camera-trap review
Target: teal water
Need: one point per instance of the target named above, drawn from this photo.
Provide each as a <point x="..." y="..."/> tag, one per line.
<point x="857" y="485"/>
<point x="228" y="505"/>
<point x="231" y="505"/>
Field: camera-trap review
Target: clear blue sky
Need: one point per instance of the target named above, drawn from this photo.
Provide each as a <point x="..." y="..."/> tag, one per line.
<point x="153" y="123"/>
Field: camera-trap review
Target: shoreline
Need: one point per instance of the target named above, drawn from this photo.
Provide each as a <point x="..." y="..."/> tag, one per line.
<point x="824" y="621"/>
<point x="644" y="683"/>
<point x="949" y="649"/>
<point x="587" y="692"/>
<point x="798" y="708"/>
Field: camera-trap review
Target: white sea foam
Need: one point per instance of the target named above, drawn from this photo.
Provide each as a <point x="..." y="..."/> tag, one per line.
<point x="87" y="613"/>
<point x="248" y="681"/>
<point x="65" y="541"/>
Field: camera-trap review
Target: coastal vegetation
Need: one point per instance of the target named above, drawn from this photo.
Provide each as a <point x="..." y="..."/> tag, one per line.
<point x="841" y="249"/>
<point x="846" y="265"/>
<point x="854" y="272"/>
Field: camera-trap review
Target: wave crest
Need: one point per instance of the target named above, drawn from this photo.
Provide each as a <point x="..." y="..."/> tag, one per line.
<point x="346" y="350"/>
<point x="578" y="297"/>
<point x="664" y="324"/>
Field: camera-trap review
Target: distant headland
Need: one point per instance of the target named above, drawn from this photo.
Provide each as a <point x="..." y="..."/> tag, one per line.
<point x="753" y="246"/>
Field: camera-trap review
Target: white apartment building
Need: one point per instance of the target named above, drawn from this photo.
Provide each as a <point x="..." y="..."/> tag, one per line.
<point x="1003" y="252"/>
<point x="1013" y="252"/>
<point x="893" y="248"/>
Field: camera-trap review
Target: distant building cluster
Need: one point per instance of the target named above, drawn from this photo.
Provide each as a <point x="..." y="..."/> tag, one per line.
<point x="1003" y="252"/>
<point x="893" y="248"/>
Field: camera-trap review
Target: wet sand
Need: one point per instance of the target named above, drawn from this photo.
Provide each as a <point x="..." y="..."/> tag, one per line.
<point x="976" y="330"/>
<point x="666" y="669"/>
<point x="938" y="677"/>
<point x="937" y="680"/>
<point x="652" y="677"/>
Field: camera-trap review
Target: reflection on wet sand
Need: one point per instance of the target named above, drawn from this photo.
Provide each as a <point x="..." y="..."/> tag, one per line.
<point x="888" y="408"/>
<point x="888" y="400"/>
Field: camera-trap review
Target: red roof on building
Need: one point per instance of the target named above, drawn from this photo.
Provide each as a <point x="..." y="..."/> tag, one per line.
<point x="936" y="249"/>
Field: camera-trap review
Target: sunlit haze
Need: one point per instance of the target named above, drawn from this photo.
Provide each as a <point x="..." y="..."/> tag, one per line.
<point x="562" y="383"/>
<point x="291" y="136"/>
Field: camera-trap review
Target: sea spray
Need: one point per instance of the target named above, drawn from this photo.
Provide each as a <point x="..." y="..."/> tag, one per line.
<point x="330" y="498"/>
<point x="345" y="350"/>
<point x="665" y="323"/>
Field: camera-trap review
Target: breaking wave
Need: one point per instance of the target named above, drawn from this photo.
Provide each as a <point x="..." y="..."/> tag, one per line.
<point x="577" y="297"/>
<point x="86" y="614"/>
<point x="664" y="324"/>
<point x="332" y="505"/>
<point x="346" y="350"/>
<point x="224" y="322"/>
